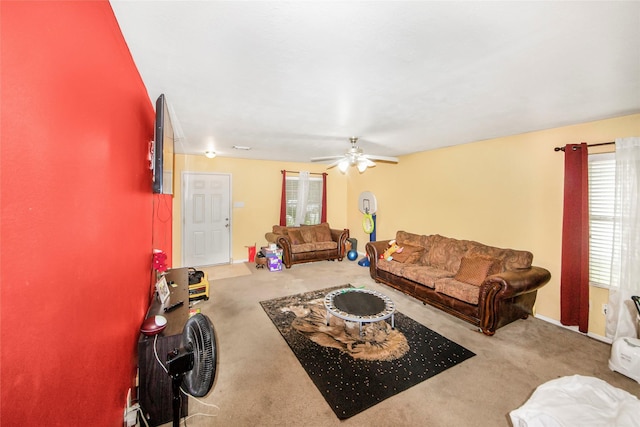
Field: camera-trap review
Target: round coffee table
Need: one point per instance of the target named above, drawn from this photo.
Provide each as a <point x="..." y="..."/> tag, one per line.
<point x="359" y="305"/>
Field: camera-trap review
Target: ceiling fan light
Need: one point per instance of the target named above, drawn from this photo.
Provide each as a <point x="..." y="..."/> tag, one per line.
<point x="362" y="166"/>
<point x="343" y="165"/>
<point x="210" y="154"/>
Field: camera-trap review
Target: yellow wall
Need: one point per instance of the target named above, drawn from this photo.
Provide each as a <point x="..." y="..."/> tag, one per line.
<point x="504" y="192"/>
<point x="257" y="184"/>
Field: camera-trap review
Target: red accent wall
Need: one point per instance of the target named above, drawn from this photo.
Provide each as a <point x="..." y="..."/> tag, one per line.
<point x="77" y="225"/>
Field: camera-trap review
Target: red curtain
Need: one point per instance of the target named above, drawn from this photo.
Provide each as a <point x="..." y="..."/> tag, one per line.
<point x="323" y="214"/>
<point x="283" y="201"/>
<point x="574" y="280"/>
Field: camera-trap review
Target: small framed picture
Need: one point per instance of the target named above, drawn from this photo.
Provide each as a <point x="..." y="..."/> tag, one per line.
<point x="163" y="290"/>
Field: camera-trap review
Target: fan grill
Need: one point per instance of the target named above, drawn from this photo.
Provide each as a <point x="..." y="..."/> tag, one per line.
<point x="199" y="336"/>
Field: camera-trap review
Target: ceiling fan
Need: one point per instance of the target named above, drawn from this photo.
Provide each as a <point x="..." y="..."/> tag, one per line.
<point x="354" y="157"/>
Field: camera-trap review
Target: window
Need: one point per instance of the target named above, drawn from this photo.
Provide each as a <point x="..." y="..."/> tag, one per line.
<point x="602" y="174"/>
<point x="314" y="201"/>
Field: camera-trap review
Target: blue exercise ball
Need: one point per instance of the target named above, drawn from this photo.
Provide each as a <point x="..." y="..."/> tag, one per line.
<point x="352" y="255"/>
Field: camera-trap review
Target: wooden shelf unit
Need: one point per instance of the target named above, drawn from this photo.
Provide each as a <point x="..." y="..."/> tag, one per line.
<point x="155" y="391"/>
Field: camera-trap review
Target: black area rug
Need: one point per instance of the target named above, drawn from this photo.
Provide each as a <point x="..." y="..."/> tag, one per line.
<point x="352" y="371"/>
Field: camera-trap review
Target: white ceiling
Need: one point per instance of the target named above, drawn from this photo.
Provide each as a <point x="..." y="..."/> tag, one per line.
<point x="294" y="80"/>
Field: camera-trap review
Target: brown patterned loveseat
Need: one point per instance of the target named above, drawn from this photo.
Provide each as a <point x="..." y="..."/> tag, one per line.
<point x="486" y="286"/>
<point x="309" y="243"/>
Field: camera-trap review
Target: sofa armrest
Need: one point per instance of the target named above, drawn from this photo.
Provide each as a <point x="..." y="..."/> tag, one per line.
<point x="283" y="241"/>
<point x="520" y="284"/>
<point x="340" y="236"/>
<point x="373" y="250"/>
<point x="517" y="282"/>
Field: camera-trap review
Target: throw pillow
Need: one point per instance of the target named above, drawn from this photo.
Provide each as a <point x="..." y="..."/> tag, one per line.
<point x="475" y="270"/>
<point x="405" y="238"/>
<point x="323" y="232"/>
<point x="295" y="236"/>
<point x="308" y="234"/>
<point x="409" y="254"/>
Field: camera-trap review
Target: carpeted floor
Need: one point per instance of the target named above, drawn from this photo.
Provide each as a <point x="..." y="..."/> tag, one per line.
<point x="226" y="271"/>
<point x="355" y="370"/>
<point x="260" y="382"/>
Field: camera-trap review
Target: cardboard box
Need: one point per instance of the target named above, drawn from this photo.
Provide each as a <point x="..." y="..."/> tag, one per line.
<point x="277" y="252"/>
<point x="274" y="263"/>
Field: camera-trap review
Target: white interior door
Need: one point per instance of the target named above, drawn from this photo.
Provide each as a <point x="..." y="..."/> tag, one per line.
<point x="206" y="219"/>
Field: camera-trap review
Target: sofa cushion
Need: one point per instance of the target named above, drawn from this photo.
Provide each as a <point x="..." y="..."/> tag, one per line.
<point x="409" y="254"/>
<point x="296" y="236"/>
<point x="511" y="259"/>
<point x="323" y="232"/>
<point x="404" y="238"/>
<point x="425" y="275"/>
<point x="308" y="234"/>
<point x="474" y="270"/>
<point x="396" y="268"/>
<point x="316" y="233"/>
<point x="444" y="253"/>
<point x="459" y="290"/>
<point x="312" y="247"/>
<point x="279" y="229"/>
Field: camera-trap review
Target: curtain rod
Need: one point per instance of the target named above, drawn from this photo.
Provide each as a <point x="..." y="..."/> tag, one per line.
<point x="589" y="145"/>
<point x="310" y="173"/>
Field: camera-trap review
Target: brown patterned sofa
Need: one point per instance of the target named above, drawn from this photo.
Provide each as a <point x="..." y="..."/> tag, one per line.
<point x="486" y="286"/>
<point x="309" y="243"/>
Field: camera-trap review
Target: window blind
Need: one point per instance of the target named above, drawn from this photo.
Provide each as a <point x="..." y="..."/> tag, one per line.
<point x="602" y="171"/>
<point x="314" y="202"/>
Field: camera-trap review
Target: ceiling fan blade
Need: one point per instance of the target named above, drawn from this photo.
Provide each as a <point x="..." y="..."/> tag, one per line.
<point x="330" y="165"/>
<point x="355" y="157"/>
<point x="381" y="158"/>
<point x="369" y="163"/>
<point x="322" y="159"/>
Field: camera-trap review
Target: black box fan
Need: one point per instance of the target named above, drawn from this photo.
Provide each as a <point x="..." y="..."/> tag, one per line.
<point x="193" y="365"/>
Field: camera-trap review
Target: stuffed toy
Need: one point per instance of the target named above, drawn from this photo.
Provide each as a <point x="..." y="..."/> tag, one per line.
<point x="392" y="249"/>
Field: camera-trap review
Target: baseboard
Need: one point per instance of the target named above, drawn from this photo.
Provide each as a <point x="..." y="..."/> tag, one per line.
<point x="574" y="329"/>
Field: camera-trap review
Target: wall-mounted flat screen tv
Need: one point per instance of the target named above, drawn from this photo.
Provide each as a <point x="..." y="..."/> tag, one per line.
<point x="163" y="149"/>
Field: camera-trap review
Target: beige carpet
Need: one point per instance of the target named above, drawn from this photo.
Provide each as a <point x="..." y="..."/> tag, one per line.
<point x="261" y="383"/>
<point x="227" y="271"/>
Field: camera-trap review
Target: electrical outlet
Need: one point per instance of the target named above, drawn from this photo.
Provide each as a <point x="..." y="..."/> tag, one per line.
<point x="127" y="404"/>
<point x="605" y="307"/>
<point x="131" y="416"/>
<point x="130" y="412"/>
